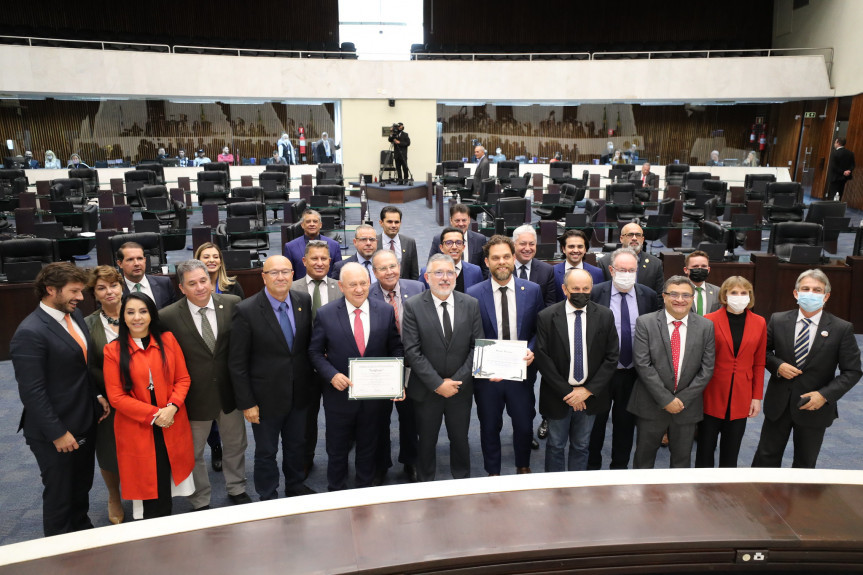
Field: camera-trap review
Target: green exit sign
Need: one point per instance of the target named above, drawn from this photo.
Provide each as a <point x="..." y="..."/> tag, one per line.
<point x="809" y="115"/>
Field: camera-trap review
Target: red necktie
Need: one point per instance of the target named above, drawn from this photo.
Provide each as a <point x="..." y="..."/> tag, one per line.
<point x="360" y="336"/>
<point x="392" y="244"/>
<point x="75" y="335"/>
<point x="394" y="301"/>
<point x="675" y="349"/>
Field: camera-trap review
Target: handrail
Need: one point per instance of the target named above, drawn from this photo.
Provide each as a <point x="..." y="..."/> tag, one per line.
<point x="101" y="43"/>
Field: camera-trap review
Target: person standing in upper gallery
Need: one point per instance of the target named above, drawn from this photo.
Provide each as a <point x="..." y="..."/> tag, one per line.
<point x="31" y="163"/>
<point x="400" y="141"/>
<point x="51" y="161"/>
<point x="286" y="150"/>
<point x="182" y="160"/>
<point x="325" y="150"/>
<point x="714" y="159"/>
<point x="50" y="353"/>
<point x="841" y="169"/>
<point x="481" y="171"/>
<point x="805" y="348"/>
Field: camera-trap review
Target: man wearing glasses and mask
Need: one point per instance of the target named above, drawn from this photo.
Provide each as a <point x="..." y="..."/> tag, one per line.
<point x="650" y="271"/>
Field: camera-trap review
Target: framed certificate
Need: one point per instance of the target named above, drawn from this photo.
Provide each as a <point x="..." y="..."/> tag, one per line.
<point x="498" y="358"/>
<point x="376" y="377"/>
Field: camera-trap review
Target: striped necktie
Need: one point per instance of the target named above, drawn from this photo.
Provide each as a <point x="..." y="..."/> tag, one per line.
<point x="801" y="344"/>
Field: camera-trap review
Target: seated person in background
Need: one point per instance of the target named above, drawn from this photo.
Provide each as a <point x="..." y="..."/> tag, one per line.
<point x="31" y="163"/>
<point x="618" y="158"/>
<point x="277" y="160"/>
<point x="557" y="157"/>
<point x="201" y="159"/>
<point x="162" y="154"/>
<point x="647" y="178"/>
<point x="606" y="158"/>
<point x="751" y="160"/>
<point x="498" y="156"/>
<point x="182" y="160"/>
<point x="714" y="159"/>
<point x="51" y="161"/>
<point x="75" y="162"/>
<point x="226" y="156"/>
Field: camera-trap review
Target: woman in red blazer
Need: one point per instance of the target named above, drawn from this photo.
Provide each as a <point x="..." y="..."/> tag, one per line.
<point x="737" y="386"/>
<point x="147" y="381"/>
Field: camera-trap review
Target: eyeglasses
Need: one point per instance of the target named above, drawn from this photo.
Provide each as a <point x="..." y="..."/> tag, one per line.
<point x="631" y="235"/>
<point x="630" y="271"/>
<point x="367" y="240"/>
<point x="677" y="295"/>
<point x="451" y="243"/>
<point x="277" y="273"/>
<point x="442" y="273"/>
<point x="388" y="268"/>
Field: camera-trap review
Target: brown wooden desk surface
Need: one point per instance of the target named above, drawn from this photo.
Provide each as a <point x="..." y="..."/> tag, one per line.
<point x="615" y="528"/>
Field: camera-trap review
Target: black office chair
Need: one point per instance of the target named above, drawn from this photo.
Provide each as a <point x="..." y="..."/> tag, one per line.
<point x="214" y="189"/>
<point x="329" y="175"/>
<point x="622" y="205"/>
<point x="151" y="242"/>
<point x="90" y="177"/>
<point x="712" y="232"/>
<point x="656" y="226"/>
<point x="570" y="195"/>
<point x="518" y="187"/>
<point x="512" y="211"/>
<point x="246" y="236"/>
<point x="20" y="250"/>
<point x="620" y="173"/>
<point x="219" y="167"/>
<point x="135" y="179"/>
<point x="718" y="188"/>
<point x="279" y="168"/>
<point x="170" y="214"/>
<point x="591" y="213"/>
<point x="565" y="169"/>
<point x="450" y="178"/>
<point x="69" y="190"/>
<point x="755" y="185"/>
<point x="693" y="208"/>
<point x="784" y="202"/>
<point x="335" y="204"/>
<point x="506" y="170"/>
<point x="296" y="209"/>
<point x="786" y="235"/>
<point x="487" y="186"/>
<point x="693" y="182"/>
<point x="156" y="168"/>
<point x="674" y="174"/>
<point x="12" y="184"/>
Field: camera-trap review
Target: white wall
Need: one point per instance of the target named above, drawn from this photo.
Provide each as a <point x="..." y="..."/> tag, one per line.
<point x="825" y="23"/>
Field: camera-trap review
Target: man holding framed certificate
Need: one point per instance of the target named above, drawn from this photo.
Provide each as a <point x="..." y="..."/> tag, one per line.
<point x="349" y="328"/>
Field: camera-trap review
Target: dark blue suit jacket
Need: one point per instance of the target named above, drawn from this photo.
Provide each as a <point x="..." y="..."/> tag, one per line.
<point x="475" y="241"/>
<point x="559" y="270"/>
<point x="472" y="275"/>
<point x="542" y="274"/>
<point x="644" y="297"/>
<point x="335" y="269"/>
<point x="528" y="303"/>
<point x="333" y="344"/>
<point x="407" y="288"/>
<point x="163" y="290"/>
<point x="295" y="249"/>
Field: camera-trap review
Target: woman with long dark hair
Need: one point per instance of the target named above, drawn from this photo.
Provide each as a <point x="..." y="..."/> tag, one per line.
<point x="147" y="382"/>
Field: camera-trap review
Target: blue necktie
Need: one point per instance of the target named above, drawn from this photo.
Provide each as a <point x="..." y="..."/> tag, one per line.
<point x="578" y="364"/>
<point x="285" y="324"/>
<point x="625" y="333"/>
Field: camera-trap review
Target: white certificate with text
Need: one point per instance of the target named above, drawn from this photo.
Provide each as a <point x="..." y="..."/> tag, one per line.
<point x="500" y="358"/>
<point x="376" y="377"/>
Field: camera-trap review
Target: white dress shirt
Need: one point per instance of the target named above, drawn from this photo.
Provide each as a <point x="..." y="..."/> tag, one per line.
<point x="813" y="327"/>
<point x="510" y="307"/>
<point x="364" y="318"/>
<point x="669" y="319"/>
<point x="145" y="286"/>
<point x="211" y="316"/>
<point x="323" y="290"/>
<point x="570" y="330"/>
<point x="450" y="308"/>
<point x="60" y="317"/>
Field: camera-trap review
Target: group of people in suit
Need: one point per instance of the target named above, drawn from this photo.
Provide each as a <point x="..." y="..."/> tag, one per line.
<point x="679" y="357"/>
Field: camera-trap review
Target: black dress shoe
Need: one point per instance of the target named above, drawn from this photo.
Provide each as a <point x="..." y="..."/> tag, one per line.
<point x="534" y="444"/>
<point x="542" y="432"/>
<point x="411" y="472"/>
<point x="302" y="490"/>
<point x="240" y="498"/>
<point x="216" y="458"/>
<point x="378" y="479"/>
<point x="204" y="508"/>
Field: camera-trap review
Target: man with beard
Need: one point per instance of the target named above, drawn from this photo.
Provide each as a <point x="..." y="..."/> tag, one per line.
<point x="573" y="244"/>
<point x="650" y="272"/>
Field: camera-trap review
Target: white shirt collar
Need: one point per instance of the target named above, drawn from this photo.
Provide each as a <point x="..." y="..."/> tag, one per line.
<point x="195" y="309"/>
<point x="571" y="308"/>
<point x="815" y="319"/>
<point x="363" y="308"/>
<point x="56" y="314"/>
<point x="670" y="318"/>
<point x="131" y="285"/>
<point x="510" y="285"/>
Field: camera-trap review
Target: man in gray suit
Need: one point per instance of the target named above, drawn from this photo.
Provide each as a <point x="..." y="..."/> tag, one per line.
<point x="404" y="247"/>
<point x="323" y="290"/>
<point x="201" y="322"/>
<point x="697" y="267"/>
<point x="481" y="171"/>
<point x="673" y="355"/>
<point x="439" y="331"/>
<point x="650" y="271"/>
<point x="805" y="348"/>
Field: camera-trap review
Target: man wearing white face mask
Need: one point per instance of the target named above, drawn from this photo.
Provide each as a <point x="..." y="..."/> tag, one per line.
<point x="804" y="348"/>
<point x="627" y="300"/>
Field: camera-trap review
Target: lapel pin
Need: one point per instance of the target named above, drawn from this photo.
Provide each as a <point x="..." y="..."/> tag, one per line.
<point x="824" y="334"/>
<point x="522" y="288"/>
<point x="646" y="260"/>
<point x="221" y="307"/>
<point x="299" y="309"/>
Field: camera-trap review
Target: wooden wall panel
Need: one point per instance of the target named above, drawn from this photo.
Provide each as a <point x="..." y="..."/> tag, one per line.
<point x="784" y="125"/>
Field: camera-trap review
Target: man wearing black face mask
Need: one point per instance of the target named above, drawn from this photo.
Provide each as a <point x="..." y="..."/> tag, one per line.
<point x="577" y="354"/>
<point x="706" y="297"/>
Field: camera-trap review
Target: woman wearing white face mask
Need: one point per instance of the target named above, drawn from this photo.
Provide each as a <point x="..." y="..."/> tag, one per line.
<point x="737" y="386"/>
<point x="51" y="161"/>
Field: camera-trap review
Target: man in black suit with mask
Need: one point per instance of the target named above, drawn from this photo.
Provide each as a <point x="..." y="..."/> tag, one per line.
<point x="400" y="141"/>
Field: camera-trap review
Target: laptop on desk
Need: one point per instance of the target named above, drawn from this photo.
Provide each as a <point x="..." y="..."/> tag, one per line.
<point x="237" y="225"/>
<point x="157" y="204"/>
<point x="50" y="230"/>
<point x="237" y="259"/>
<point x="743" y="221"/>
<point x="836" y="224"/>
<point x="545" y="251"/>
<point x="784" y="201"/>
<point x="808" y="255"/>
<point x="145" y="226"/>
<point x="715" y="252"/>
<point x="22" y="272"/>
<point x="513" y="220"/>
<point x="555" y="173"/>
<point x="576" y="220"/>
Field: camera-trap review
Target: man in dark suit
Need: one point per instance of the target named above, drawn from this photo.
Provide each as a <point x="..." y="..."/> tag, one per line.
<point x="452" y="244"/>
<point x="697" y="268"/>
<point x="352" y="326"/>
<point x="673" y="350"/>
<point x="459" y="217"/>
<point x="576" y="353"/>
<point x="295" y="249"/>
<point x="480" y="173"/>
<point x="650" y="271"/>
<point x="805" y="347"/>
<point x="573" y="244"/>
<point x="508" y="308"/>
<point x="323" y="290"/>
<point x="647" y="178"/>
<point x="271" y="373"/>
<point x="325" y="150"/>
<point x="133" y="265"/>
<point x="366" y="244"/>
<point x="201" y="322"/>
<point x="627" y="301"/>
<point x="439" y="331"/>
<point x="404" y="247"/>
<point x="841" y="169"/>
<point x="49" y="353"/>
<point x="395" y="291"/>
<point x="527" y="267"/>
<point x="400" y="141"/>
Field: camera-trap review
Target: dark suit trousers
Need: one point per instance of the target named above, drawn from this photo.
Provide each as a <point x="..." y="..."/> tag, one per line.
<point x="430" y="413"/>
<point x="649" y="437"/>
<point x="401" y="162"/>
<point x="346" y="426"/>
<point x="774" y="438"/>
<point x="709" y="431"/>
<point x="491" y="398"/>
<point x="836" y="187"/>
<point x="162" y="505"/>
<point x="291" y="428"/>
<point x="408" y="439"/>
<point x="312" y="421"/>
<point x="67" y="478"/>
<point x="622" y="423"/>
